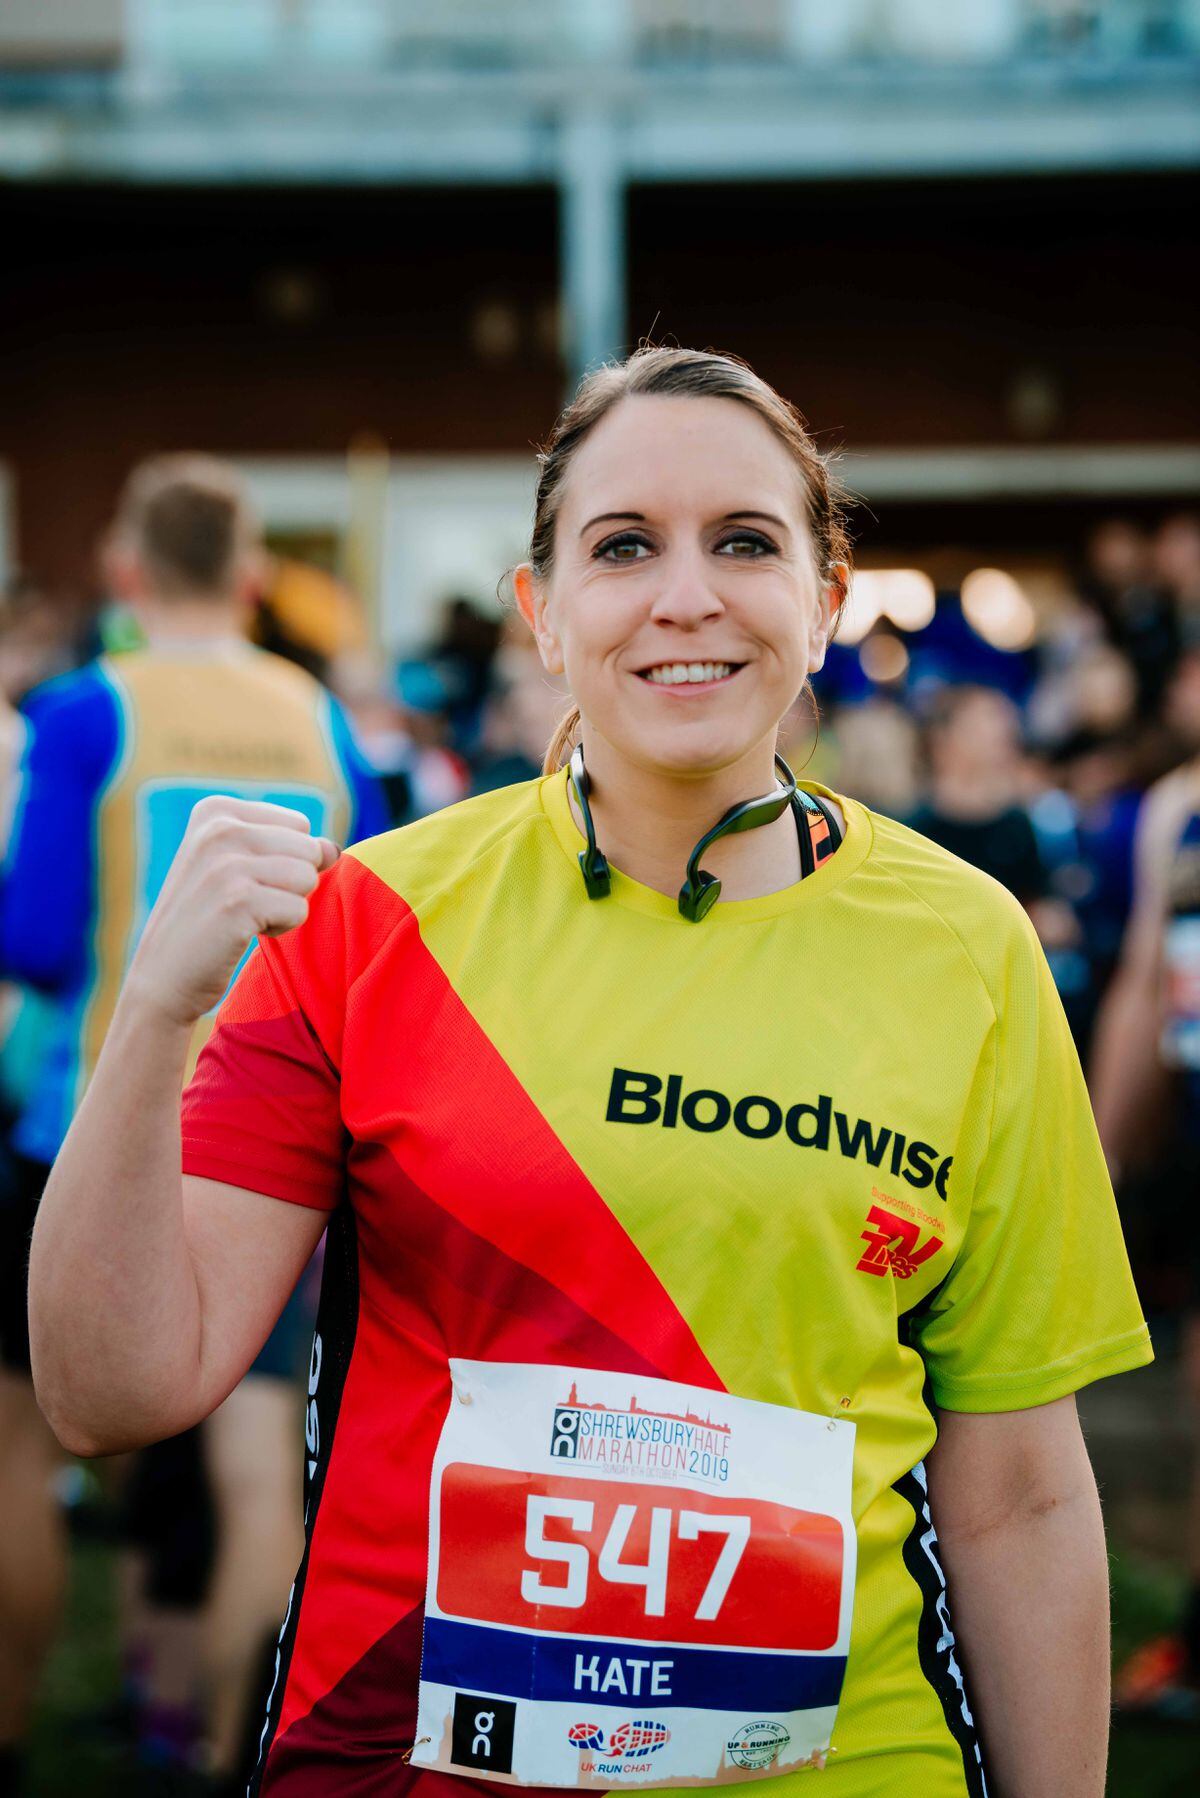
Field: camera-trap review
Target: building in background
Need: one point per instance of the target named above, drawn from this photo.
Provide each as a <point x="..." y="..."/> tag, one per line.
<point x="363" y="245"/>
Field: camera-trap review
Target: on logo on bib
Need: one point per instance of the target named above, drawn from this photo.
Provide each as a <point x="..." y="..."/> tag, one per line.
<point x="632" y="1581"/>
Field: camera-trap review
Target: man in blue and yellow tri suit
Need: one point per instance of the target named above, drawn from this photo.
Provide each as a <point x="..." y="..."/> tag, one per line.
<point x="117" y="755"/>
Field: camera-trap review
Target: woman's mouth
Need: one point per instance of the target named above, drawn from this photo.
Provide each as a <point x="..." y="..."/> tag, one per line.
<point x="690" y="674"/>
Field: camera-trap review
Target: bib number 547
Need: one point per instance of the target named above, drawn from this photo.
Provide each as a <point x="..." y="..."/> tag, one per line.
<point x="652" y="1574"/>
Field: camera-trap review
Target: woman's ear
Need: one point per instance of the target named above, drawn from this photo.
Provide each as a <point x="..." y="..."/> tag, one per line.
<point x="534" y="607"/>
<point x="838" y="589"/>
<point x="834" y="591"/>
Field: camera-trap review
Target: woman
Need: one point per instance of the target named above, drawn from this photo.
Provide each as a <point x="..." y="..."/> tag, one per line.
<point x="657" y="1240"/>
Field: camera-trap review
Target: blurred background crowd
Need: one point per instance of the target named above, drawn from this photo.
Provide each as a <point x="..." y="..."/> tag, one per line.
<point x="1018" y="723"/>
<point x="360" y="249"/>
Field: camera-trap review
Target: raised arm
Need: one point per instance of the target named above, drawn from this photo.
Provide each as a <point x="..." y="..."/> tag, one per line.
<point x="1128" y="1079"/>
<point x="1022" y="1543"/>
<point x="149" y="1293"/>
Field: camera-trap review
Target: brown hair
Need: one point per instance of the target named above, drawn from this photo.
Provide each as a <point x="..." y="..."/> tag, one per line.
<point x="701" y="374"/>
<point x="189" y="520"/>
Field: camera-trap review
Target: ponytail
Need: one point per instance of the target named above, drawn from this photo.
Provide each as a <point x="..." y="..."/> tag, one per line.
<point x="562" y="742"/>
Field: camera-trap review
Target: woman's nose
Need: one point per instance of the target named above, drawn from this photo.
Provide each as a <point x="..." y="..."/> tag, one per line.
<point x="686" y="595"/>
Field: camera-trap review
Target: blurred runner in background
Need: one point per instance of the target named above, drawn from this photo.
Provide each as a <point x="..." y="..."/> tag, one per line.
<point x="32" y="645"/>
<point x="1146" y="1092"/>
<point x="116" y="755"/>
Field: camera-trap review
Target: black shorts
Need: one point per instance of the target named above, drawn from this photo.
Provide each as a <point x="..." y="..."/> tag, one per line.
<point x="22" y="1183"/>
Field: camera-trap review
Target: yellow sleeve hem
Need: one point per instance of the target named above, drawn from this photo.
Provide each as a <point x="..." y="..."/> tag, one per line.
<point x="1022" y="1390"/>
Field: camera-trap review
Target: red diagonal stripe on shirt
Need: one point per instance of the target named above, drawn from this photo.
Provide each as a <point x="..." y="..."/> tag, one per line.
<point x="479" y="1236"/>
<point x="432" y="1289"/>
<point x="355" y="1742"/>
<point x="469" y="1135"/>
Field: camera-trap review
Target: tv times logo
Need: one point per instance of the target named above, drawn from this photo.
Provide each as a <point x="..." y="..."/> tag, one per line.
<point x="894" y="1245"/>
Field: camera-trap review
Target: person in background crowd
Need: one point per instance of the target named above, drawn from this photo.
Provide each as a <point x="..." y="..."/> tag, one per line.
<point x="974" y="805"/>
<point x="1083" y="685"/>
<point x="507" y="738"/>
<point x="438" y="775"/>
<point x="35" y="637"/>
<point x="976" y="808"/>
<point x="34" y="642"/>
<point x="1070" y="637"/>
<point x="1175" y="558"/>
<point x="1084" y="820"/>
<point x="875" y="748"/>
<point x="116" y="757"/>
<point x="1138" y="614"/>
<point x="461" y="659"/>
<point x="380" y="728"/>
<point x="403" y="725"/>
<point x="519" y="715"/>
<point x="1146" y="1091"/>
<point x="305" y="615"/>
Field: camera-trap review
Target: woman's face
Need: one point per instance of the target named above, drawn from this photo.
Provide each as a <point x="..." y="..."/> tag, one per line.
<point x="684" y="603"/>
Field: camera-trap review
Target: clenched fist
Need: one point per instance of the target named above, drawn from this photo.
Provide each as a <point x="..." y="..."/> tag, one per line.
<point x="244" y="869"/>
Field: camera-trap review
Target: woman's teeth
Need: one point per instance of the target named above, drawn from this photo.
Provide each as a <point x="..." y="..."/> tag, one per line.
<point x="677" y="674"/>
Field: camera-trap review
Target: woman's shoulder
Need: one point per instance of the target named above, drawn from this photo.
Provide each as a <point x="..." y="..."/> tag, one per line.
<point x="380" y="885"/>
<point x="447" y="844"/>
<point x="990" y="923"/>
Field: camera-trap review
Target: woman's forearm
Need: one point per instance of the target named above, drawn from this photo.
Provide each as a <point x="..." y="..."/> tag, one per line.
<point x="119" y="1325"/>
<point x="1028" y="1592"/>
<point x="113" y="1305"/>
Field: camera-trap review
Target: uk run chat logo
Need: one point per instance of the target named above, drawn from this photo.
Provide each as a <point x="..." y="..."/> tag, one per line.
<point x="636" y="1740"/>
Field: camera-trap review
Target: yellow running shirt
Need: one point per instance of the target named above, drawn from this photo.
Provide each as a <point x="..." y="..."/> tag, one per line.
<point x="654" y="1248"/>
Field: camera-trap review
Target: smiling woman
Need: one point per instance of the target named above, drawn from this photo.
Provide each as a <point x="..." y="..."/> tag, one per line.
<point x="673" y="1240"/>
<point x="688" y="560"/>
<point x="805" y="529"/>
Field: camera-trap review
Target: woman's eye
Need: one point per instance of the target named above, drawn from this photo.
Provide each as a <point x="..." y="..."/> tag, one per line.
<point x="625" y="548"/>
<point x="746" y="546"/>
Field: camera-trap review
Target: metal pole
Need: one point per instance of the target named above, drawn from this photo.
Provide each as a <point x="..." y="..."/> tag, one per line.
<point x="592" y="192"/>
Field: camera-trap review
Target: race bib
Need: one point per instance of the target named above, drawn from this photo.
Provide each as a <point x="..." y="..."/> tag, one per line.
<point x="632" y="1581"/>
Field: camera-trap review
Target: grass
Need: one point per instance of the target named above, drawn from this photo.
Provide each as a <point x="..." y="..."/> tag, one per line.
<point x="1148" y="1760"/>
<point x="82" y="1678"/>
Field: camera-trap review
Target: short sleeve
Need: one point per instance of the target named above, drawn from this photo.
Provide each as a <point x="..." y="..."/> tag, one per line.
<point x="1040" y="1300"/>
<point x="263" y="1109"/>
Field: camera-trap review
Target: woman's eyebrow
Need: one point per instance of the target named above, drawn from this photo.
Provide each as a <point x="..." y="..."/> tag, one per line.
<point x="640" y="517"/>
<point x="608" y="517"/>
<point x="769" y="518"/>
